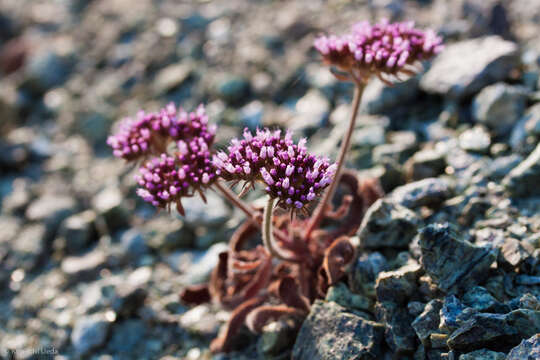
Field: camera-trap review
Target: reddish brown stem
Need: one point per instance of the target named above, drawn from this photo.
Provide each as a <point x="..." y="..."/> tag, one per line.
<point x="345" y="145"/>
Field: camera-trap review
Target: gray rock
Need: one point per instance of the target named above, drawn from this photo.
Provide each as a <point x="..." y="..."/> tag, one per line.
<point x="133" y="244"/>
<point x="365" y="272"/>
<point x="29" y="246"/>
<point x="483" y="354"/>
<point x="501" y="166"/>
<point x="46" y="69"/>
<point x="330" y="332"/>
<point x="202" y="266"/>
<point x="251" y="115"/>
<point x="387" y="224"/>
<point x="109" y="203"/>
<point x="128" y="299"/>
<point x="399" y="285"/>
<point x="453" y="263"/>
<point x="171" y="77"/>
<point x="527" y="350"/>
<point x="341" y="295"/>
<point x="312" y="109"/>
<point x="51" y="210"/>
<point x="428" y="321"/>
<point x="426" y="192"/>
<point x="277" y="338"/>
<point x="399" y="334"/>
<point x="165" y="234"/>
<point x="233" y="89"/>
<point x="90" y="332"/>
<point x="76" y="232"/>
<point x="532" y="120"/>
<point x="515" y="254"/>
<point x="500" y="330"/>
<point x="213" y="213"/>
<point x="499" y="106"/>
<point x="480" y="299"/>
<point x="522" y="180"/>
<point x="450" y="312"/>
<point x="126" y="335"/>
<point x="465" y="67"/>
<point x="426" y="163"/>
<point x="85" y="264"/>
<point x="368" y="136"/>
<point x="200" y="320"/>
<point x="476" y="139"/>
<point x="378" y="97"/>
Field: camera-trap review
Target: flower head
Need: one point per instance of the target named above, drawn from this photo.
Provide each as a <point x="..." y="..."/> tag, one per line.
<point x="288" y="171"/>
<point x="383" y="48"/>
<point x="149" y="133"/>
<point x="166" y="179"/>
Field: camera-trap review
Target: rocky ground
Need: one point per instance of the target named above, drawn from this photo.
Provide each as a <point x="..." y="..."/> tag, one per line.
<point x="449" y="265"/>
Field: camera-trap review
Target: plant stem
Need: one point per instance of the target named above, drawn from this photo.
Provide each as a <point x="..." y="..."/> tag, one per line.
<point x="268" y="235"/>
<point x="236" y="201"/>
<point x="248" y="210"/>
<point x="345" y="145"/>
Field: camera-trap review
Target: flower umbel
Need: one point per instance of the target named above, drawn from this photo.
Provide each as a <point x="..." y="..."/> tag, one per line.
<point x="149" y="133"/>
<point x="384" y="48"/>
<point x="290" y="174"/>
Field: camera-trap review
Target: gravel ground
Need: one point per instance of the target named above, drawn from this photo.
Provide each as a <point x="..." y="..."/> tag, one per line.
<point x="449" y="265"/>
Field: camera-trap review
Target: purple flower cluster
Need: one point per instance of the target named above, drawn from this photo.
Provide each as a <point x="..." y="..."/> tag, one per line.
<point x="149" y="133"/>
<point x="383" y="48"/>
<point x="290" y="174"/>
<point x="167" y="177"/>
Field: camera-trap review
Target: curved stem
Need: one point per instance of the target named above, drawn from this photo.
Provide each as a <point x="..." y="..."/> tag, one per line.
<point x="246" y="209"/>
<point x="345" y="145"/>
<point x="268" y="235"/>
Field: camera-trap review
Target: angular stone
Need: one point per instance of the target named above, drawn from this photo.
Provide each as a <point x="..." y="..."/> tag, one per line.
<point x="397" y="286"/>
<point x="495" y="330"/>
<point x="480" y="299"/>
<point x="527" y="350"/>
<point x="171" y="77"/>
<point x="532" y="120"/>
<point x="450" y="312"/>
<point x="465" y="67"/>
<point x="523" y="179"/>
<point x="483" y="354"/>
<point x="453" y="263"/>
<point x="426" y="163"/>
<point x="277" y="338"/>
<point x="426" y="192"/>
<point x="399" y="334"/>
<point x="366" y="271"/>
<point x="476" y="139"/>
<point x="29" y="246"/>
<point x="76" y="232"/>
<point x="387" y="224"/>
<point x="515" y="254"/>
<point x="330" y="332"/>
<point x="428" y="321"/>
<point x="341" y="295"/>
<point x="499" y="106"/>
<point x="378" y="97"/>
<point x="51" y="210"/>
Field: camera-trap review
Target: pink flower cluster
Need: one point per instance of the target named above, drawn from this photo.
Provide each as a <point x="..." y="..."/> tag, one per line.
<point x="166" y="178"/>
<point x="149" y="133"/>
<point x="388" y="48"/>
<point x="289" y="173"/>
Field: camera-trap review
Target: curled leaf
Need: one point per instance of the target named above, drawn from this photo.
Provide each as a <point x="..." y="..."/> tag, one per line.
<point x="262" y="315"/>
<point x="336" y="257"/>
<point x="289" y="292"/>
<point x="223" y="342"/>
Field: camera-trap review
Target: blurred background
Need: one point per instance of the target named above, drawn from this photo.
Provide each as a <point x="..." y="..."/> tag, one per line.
<point x="86" y="269"/>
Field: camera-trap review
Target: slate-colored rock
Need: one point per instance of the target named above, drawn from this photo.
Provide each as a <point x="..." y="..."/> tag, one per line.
<point x="527" y="350"/>
<point x="426" y="163"/>
<point x="341" y="295"/>
<point x="426" y="192"/>
<point x="496" y="331"/>
<point x="330" y="332"/>
<point x="89" y="333"/>
<point x="76" y="232"/>
<point x="499" y="106"/>
<point x="399" y="334"/>
<point x="480" y="299"/>
<point x="52" y="210"/>
<point x="277" y="338"/>
<point x="365" y="273"/>
<point x="523" y="179"/>
<point x="387" y="224"/>
<point x="467" y="66"/>
<point x="378" y="97"/>
<point x="516" y="254"/>
<point x="29" y="246"/>
<point x="483" y="354"/>
<point x="428" y="321"/>
<point x="109" y="203"/>
<point x="399" y="285"/>
<point x="532" y="120"/>
<point x="453" y="263"/>
<point x="475" y="140"/>
<point x="451" y="310"/>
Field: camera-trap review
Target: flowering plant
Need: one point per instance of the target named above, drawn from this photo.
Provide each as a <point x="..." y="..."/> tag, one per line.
<point x="298" y="259"/>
